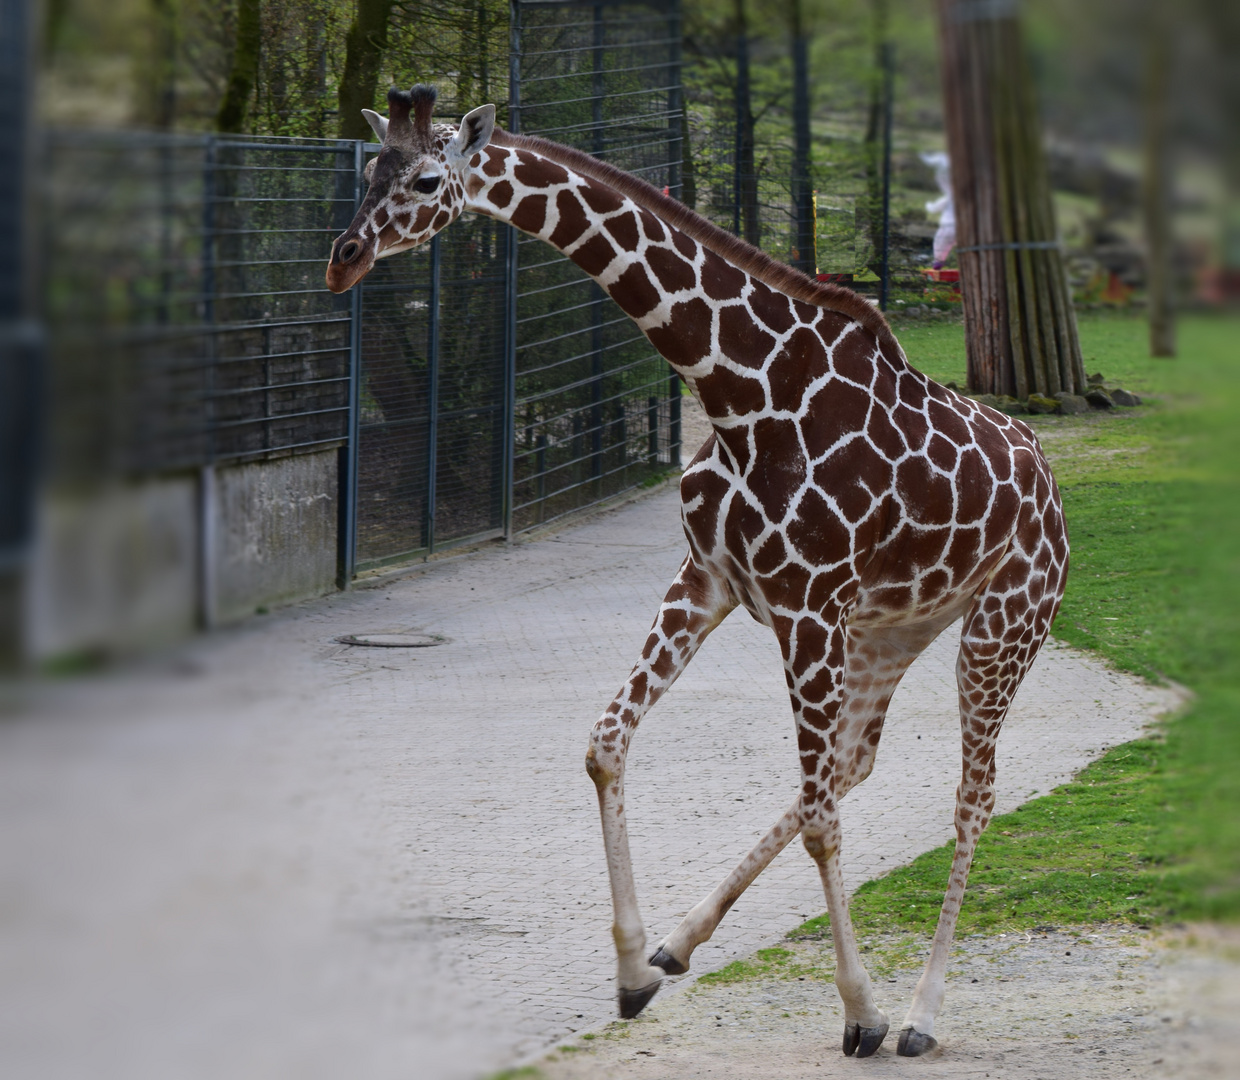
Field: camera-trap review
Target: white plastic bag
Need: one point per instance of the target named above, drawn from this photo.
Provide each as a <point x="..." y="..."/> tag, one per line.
<point x="945" y="237"/>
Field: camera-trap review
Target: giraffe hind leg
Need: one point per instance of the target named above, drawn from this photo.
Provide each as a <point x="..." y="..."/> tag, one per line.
<point x="675" y="950"/>
<point x="1003" y="631"/>
<point x="877" y="659"/>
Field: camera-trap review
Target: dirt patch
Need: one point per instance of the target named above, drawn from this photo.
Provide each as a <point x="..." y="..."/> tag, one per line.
<point x="1100" y="1003"/>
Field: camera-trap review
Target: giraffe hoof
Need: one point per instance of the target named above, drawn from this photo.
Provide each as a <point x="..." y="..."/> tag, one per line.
<point x="665" y="960"/>
<point x="863" y="1041"/>
<point x="914" y="1044"/>
<point x="633" y="1001"/>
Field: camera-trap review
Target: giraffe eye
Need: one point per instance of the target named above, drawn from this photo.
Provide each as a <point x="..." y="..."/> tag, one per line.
<point x="426" y="184"/>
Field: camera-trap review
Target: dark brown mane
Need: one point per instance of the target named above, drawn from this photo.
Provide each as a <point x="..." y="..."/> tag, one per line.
<point x="757" y="263"/>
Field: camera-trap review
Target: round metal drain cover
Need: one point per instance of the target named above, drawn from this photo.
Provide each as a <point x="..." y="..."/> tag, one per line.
<point x="394" y="641"/>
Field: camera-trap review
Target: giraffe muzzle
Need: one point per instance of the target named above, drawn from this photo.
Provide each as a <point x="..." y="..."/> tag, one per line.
<point x="350" y="262"/>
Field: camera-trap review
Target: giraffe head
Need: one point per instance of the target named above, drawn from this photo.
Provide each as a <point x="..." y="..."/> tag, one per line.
<point x="417" y="182"/>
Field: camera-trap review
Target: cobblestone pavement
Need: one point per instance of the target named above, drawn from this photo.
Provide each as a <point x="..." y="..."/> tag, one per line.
<point x="266" y="854"/>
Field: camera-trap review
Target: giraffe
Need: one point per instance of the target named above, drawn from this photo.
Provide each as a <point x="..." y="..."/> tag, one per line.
<point x="844" y="500"/>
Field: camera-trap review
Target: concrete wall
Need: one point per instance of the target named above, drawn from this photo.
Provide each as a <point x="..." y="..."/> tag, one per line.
<point x="276" y="533"/>
<point x="121" y="568"/>
<point x="114" y="569"/>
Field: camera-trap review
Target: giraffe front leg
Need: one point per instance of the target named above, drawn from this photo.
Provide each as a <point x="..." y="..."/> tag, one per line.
<point x="814" y="661"/>
<point x="694" y="605"/>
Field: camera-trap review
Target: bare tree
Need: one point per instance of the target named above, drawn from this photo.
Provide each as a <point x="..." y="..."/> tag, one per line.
<point x="366" y="41"/>
<point x="244" y="73"/>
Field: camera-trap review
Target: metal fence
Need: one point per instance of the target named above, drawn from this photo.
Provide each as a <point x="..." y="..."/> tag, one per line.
<point x="477" y="387"/>
<point x="596" y="409"/>
<point x="740" y="174"/>
<point x="432" y="425"/>
<point x="187" y="325"/>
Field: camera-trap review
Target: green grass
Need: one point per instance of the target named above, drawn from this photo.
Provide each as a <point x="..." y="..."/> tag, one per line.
<point x="1151" y="832"/>
<point x="762" y="964"/>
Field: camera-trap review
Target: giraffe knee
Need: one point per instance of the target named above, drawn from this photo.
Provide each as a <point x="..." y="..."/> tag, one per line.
<point x="821" y="843"/>
<point x="605" y="754"/>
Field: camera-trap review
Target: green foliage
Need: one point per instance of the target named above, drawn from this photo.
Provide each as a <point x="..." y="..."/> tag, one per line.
<point x="765" y="963"/>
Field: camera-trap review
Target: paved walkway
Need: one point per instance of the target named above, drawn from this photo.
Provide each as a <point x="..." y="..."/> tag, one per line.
<point x="265" y="854"/>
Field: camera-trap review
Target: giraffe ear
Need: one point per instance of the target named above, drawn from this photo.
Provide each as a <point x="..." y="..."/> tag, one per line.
<point x="378" y="123"/>
<point x="475" y="131"/>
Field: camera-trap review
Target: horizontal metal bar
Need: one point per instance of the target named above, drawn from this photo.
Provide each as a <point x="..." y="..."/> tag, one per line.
<point x="254" y="200"/>
<point x="621" y="318"/>
<point x="266" y="451"/>
<point x="440" y="546"/>
<point x="215" y="395"/>
<point x="578" y="384"/>
<point x="604" y="72"/>
<point x="633" y="391"/>
<point x="580" y="484"/>
<point x="221" y="424"/>
<point x="610" y="97"/>
<point x="611" y="346"/>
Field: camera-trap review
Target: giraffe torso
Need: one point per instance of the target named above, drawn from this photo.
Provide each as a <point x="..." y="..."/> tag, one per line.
<point x="868" y="489"/>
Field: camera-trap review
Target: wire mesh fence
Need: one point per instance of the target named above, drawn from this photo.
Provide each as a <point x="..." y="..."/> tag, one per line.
<point x="487" y="385"/>
<point x="596" y="409"/>
<point x="432" y="402"/>
<point x="187" y="323"/>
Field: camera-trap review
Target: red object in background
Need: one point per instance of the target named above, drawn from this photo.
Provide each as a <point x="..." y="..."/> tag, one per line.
<point x="942" y="284"/>
<point x="1219" y="285"/>
<point x="1115" y="291"/>
<point x="836" y="279"/>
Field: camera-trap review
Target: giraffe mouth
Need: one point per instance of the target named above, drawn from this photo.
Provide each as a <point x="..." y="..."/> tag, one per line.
<point x="350" y="262"/>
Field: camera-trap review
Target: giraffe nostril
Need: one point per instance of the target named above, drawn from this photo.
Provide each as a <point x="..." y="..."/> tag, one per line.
<point x="348" y="252"/>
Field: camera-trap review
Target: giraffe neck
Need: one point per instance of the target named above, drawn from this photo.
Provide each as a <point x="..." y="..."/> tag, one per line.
<point x="725" y="330"/>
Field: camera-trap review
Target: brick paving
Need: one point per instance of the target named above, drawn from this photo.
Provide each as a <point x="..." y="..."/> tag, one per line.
<point x="264" y="853"/>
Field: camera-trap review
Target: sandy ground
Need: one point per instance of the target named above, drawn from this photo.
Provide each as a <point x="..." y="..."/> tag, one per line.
<point x="1041" y="1006"/>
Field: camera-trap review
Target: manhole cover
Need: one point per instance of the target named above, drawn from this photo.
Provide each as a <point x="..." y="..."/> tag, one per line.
<point x="394" y="641"/>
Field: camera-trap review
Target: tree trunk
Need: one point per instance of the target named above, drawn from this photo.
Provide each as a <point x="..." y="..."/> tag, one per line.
<point x="364" y="46"/>
<point x="1020" y="328"/>
<point x="871" y="205"/>
<point x="747" y="221"/>
<point x="804" y="254"/>
<point x="1156" y="195"/>
<point x="233" y="109"/>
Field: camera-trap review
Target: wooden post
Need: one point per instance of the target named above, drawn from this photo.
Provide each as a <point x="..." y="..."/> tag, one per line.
<point x="1020" y="329"/>
<point x="803" y="239"/>
<point x="1155" y="193"/>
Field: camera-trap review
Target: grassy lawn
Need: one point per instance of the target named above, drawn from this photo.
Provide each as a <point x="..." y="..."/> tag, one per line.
<point x="1151" y="832"/>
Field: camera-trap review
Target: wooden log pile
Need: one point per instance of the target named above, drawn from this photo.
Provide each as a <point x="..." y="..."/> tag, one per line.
<point x="1020" y="329"/>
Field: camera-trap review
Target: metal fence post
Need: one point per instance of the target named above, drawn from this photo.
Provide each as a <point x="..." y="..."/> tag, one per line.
<point x="673" y="433"/>
<point x="510" y="283"/>
<point x="432" y="425"/>
<point x="888" y="90"/>
<point x="207" y="508"/>
<point x="675" y="106"/>
<point x="347" y="543"/>
<point x="596" y="310"/>
<point x="21" y="336"/>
